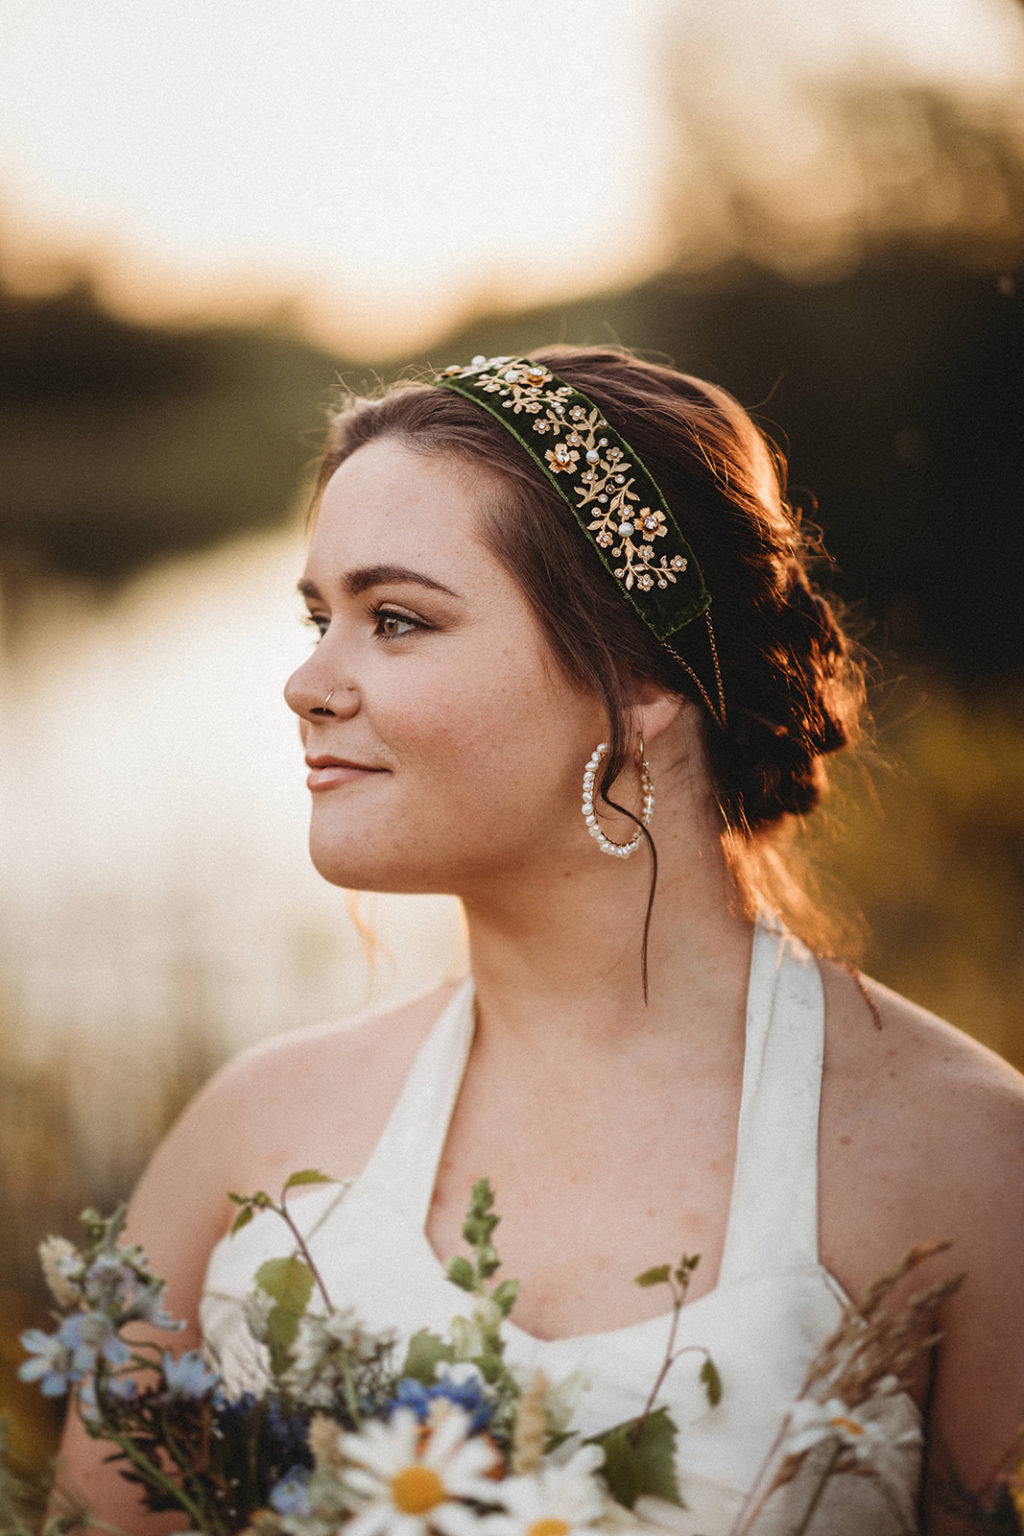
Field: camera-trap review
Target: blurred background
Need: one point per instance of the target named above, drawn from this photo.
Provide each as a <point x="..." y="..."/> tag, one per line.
<point x="210" y="213"/>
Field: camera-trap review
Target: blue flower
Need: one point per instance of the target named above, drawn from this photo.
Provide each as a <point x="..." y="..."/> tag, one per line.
<point x="92" y="1337"/>
<point x="467" y="1392"/>
<point x="291" y="1496"/>
<point x="187" y="1376"/>
<point x="54" y="1366"/>
<point x="74" y="1351"/>
<point x="411" y="1394"/>
<point x="113" y="1286"/>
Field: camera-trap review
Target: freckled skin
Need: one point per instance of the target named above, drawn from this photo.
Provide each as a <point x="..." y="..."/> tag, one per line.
<point x="475" y="727"/>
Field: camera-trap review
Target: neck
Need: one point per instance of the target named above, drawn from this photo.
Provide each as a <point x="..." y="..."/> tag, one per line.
<point x="563" y="941"/>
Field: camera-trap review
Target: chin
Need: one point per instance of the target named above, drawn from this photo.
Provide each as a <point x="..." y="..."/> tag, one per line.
<point x="359" y="873"/>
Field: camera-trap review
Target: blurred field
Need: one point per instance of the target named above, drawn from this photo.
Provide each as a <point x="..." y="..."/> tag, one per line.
<point x="926" y="835"/>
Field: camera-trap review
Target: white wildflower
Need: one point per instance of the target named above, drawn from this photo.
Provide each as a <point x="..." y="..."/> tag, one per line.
<point x="866" y="1442"/>
<point x="405" y="1483"/>
<point x="555" y="1501"/>
<point x="562" y="1399"/>
<point x="63" y="1269"/>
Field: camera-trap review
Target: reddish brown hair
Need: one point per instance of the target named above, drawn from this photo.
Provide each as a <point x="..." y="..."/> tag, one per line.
<point x="793" y="683"/>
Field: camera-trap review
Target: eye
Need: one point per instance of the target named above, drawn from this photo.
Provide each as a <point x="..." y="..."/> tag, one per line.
<point x="318" y="621"/>
<point x="391" y="625"/>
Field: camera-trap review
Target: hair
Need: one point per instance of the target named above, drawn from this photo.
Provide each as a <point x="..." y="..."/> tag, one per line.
<point x="793" y="681"/>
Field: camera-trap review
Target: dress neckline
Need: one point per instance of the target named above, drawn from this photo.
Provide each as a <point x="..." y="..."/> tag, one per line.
<point x="784" y="1008"/>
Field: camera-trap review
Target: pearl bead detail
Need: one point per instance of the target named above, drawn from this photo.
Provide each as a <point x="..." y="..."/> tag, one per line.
<point x="616" y="850"/>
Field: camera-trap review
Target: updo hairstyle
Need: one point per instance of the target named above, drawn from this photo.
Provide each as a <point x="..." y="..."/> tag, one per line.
<point x="793" y="684"/>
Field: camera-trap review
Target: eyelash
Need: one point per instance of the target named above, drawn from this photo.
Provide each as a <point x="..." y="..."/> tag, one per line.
<point x="384" y="612"/>
<point x="320" y="622"/>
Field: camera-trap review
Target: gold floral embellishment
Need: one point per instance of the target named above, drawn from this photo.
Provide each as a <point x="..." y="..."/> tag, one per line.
<point x="562" y="458"/>
<point x="611" y="492"/>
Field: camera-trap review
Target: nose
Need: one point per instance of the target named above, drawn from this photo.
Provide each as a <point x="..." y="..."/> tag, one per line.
<point x="315" y="696"/>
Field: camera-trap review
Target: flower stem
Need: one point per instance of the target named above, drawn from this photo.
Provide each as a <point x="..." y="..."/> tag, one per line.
<point x="666" y="1364"/>
<point x="815" y="1499"/>
<point x="151" y="1473"/>
<point x="301" y="1244"/>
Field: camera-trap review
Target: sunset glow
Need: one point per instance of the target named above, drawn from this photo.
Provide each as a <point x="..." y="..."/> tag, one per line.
<point x="386" y="168"/>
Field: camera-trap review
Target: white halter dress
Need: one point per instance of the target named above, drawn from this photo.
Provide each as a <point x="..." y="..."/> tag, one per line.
<point x="771" y="1309"/>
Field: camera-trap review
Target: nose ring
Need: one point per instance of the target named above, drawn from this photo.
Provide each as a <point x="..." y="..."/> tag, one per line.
<point x="328" y="699"/>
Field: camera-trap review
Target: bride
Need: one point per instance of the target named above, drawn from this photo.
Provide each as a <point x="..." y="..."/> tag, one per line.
<point x="571" y="668"/>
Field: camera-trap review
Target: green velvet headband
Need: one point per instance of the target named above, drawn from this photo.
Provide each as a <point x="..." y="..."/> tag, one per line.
<point x="600" y="478"/>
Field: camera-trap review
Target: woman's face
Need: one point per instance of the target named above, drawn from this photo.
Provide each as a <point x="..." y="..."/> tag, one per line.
<point x="451" y="752"/>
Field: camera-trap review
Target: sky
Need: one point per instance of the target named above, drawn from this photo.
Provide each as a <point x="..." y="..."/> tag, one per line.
<point x="391" y="164"/>
<point x="394" y="151"/>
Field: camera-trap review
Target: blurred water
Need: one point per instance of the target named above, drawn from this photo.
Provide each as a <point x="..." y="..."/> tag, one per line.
<point x="157" y="906"/>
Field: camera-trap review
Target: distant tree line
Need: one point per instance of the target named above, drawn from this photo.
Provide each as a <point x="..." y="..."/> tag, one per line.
<point x="897" y="391"/>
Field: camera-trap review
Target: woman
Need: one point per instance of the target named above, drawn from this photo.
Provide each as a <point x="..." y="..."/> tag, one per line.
<point x="528" y="577"/>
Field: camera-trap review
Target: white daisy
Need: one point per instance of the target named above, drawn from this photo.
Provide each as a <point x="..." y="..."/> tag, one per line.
<point x="864" y="1439"/>
<point x="406" y="1482"/>
<point x="556" y="1501"/>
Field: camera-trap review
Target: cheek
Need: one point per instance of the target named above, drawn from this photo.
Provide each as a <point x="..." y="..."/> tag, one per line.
<point x="514" y="744"/>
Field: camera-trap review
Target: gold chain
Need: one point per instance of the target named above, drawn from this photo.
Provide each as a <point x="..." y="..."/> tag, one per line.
<point x="718" y="715"/>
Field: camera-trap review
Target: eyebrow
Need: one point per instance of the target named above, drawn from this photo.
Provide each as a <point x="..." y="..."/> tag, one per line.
<point x="367" y="576"/>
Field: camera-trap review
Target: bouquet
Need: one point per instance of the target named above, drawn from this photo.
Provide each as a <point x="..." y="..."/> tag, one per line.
<point x="448" y="1441"/>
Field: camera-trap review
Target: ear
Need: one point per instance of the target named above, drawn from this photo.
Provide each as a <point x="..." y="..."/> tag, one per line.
<point x="654" y="709"/>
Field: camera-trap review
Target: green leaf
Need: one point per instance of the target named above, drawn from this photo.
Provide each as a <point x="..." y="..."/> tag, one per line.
<point x="639" y="1458"/>
<point x="505" y="1295"/>
<point x="290" y="1284"/>
<point x="282" y="1326"/>
<point x="487" y="1260"/>
<point x="490" y="1365"/>
<point x="307" y="1176"/>
<point x="461" y="1272"/>
<point x="426" y="1351"/>
<point x="656" y="1276"/>
<point x="479" y="1222"/>
<point x="260" y="1199"/>
<point x="288" y="1281"/>
<point x="687" y="1264"/>
<point x="243" y="1219"/>
<point x="712" y="1381"/>
<point x="482" y="1196"/>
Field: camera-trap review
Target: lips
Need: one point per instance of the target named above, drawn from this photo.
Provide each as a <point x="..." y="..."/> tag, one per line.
<point x="327" y="771"/>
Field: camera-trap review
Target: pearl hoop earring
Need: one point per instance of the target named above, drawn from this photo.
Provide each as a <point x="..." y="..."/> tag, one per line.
<point x="618" y="850"/>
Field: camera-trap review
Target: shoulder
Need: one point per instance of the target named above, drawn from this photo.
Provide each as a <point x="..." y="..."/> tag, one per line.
<point x="923" y="1139"/>
<point x="326" y="1089"/>
<point x="928" y="1088"/>
<point x="313" y="1098"/>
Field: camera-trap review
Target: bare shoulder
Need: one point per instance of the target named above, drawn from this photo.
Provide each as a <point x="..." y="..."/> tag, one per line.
<point x="901" y="1067"/>
<point x="313" y="1098"/>
<point x="317" y="1095"/>
<point x="923" y="1139"/>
